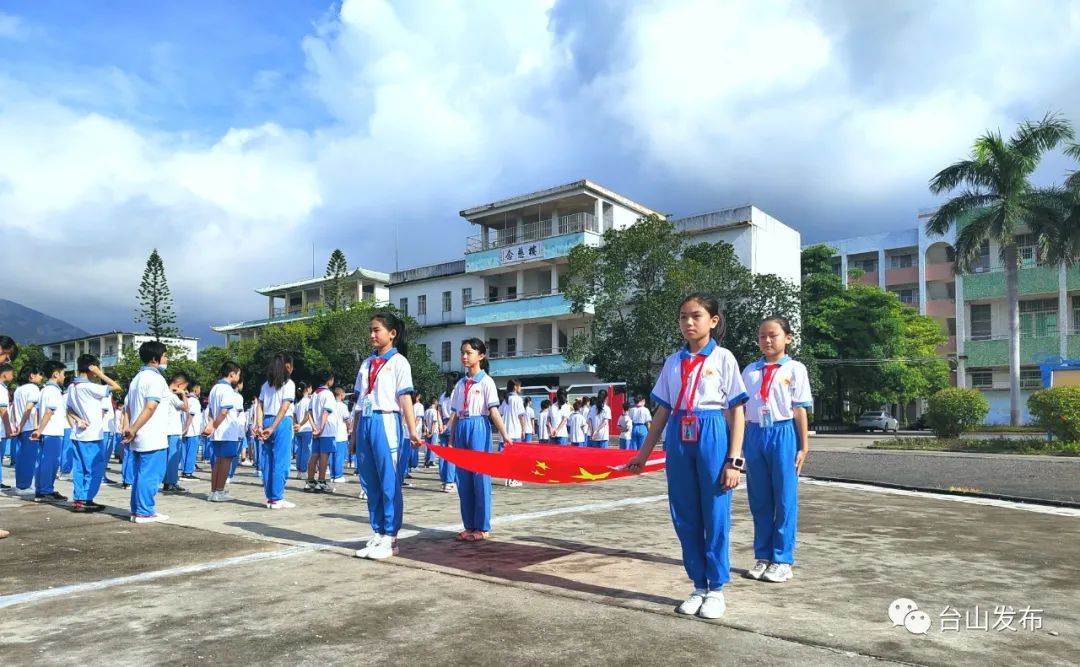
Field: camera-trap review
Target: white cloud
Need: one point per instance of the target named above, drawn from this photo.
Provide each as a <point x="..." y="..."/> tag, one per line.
<point x="811" y="109"/>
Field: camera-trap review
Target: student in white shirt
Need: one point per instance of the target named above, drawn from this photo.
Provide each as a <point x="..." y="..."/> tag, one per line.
<point x="383" y="385"/>
<point x="190" y="449"/>
<point x="274" y="424"/>
<point x="577" y="425"/>
<point x="302" y="428"/>
<point x="641" y="419"/>
<point x="701" y="390"/>
<point x="175" y="408"/>
<point x="49" y="434"/>
<point x="558" y="419"/>
<point x="530" y="420"/>
<point x="240" y="428"/>
<point x="414" y="454"/>
<point x="542" y="421"/>
<point x="341" y="436"/>
<point x="475" y="403"/>
<point x="146" y="436"/>
<point x="432" y="431"/>
<point x="6" y="429"/>
<point x="221" y="428"/>
<point x="777" y="441"/>
<point x="84" y="402"/>
<point x="24" y="404"/>
<point x="323" y="432"/>
<point x="625" y="424"/>
<point x="599" y="419"/>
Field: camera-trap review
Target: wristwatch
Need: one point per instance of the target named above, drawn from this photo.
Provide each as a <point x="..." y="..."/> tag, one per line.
<point x="737" y="462"/>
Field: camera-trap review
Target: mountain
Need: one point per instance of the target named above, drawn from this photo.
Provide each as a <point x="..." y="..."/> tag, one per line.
<point x="27" y="325"/>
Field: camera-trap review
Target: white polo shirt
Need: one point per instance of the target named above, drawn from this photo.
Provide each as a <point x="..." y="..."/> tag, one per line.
<point x="4" y="403"/>
<point x="323" y="402"/>
<point x="790" y="389"/>
<point x="577" y="424"/>
<point x="557" y="414"/>
<point x="483" y="395"/>
<point x="174" y="407"/>
<point x="721" y="386"/>
<point x="393" y="380"/>
<point x="341" y="416"/>
<point x="84" y="400"/>
<point x="147" y="386"/>
<point x="26" y="395"/>
<point x="222" y="399"/>
<point x="530" y="417"/>
<point x="52" y="398"/>
<point x="640" y="415"/>
<point x="543" y="422"/>
<point x="515" y="410"/>
<point x="272" y="398"/>
<point x="303" y="406"/>
<point x="194" y="410"/>
<point x="598" y="421"/>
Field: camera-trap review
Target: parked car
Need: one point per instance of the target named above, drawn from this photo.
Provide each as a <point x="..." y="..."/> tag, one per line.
<point x="878" y="420"/>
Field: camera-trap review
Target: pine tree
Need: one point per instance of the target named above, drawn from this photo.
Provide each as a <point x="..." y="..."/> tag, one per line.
<point x="336" y="269"/>
<point x="155" y="302"/>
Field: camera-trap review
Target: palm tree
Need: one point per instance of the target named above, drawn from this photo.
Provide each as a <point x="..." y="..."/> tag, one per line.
<point x="996" y="201"/>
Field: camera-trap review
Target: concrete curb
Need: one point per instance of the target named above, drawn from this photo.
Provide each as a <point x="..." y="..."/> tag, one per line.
<point x="947" y="492"/>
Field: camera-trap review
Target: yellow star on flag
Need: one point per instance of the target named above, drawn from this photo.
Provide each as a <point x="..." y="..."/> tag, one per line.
<point x="541" y="465"/>
<point x="590" y="477"/>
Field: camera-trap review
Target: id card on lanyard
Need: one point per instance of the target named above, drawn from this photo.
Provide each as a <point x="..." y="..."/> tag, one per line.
<point x="374" y="367"/>
<point x="768" y="374"/>
<point x="688" y="426"/>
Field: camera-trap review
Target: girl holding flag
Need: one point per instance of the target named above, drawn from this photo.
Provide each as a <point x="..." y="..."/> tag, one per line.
<point x="776" y="446"/>
<point x="699" y="394"/>
<point x="475" y="407"/>
<point x="384" y="393"/>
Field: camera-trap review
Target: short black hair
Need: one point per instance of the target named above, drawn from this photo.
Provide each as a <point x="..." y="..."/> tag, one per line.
<point x="181" y="376"/>
<point x="228" y="368"/>
<point x="85" y="361"/>
<point x="53" y="366"/>
<point x="323" y="376"/>
<point x="5" y="367"/>
<point x="27" y="371"/>
<point x="8" y="343"/>
<point x="151" y="350"/>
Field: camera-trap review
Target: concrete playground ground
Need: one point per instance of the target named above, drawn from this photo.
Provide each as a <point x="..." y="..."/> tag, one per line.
<point x="583" y="574"/>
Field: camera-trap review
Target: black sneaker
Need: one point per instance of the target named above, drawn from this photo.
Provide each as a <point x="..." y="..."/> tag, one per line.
<point x="79" y="507"/>
<point x="4" y="486"/>
<point x="125" y="486"/>
<point x="178" y="489"/>
<point x="56" y="496"/>
<point x="188" y="476"/>
<point x="106" y="480"/>
<point x="310" y="486"/>
<point x="91" y="506"/>
<point x="166" y="488"/>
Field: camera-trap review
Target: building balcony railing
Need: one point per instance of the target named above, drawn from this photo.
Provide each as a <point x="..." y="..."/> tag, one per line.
<point x="533" y="231"/>
<point x="542" y="361"/>
<point x="524" y="307"/>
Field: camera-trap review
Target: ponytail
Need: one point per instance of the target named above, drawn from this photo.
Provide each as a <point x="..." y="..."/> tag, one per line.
<point x="601" y="400"/>
<point x="712" y="306"/>
<point x="276" y="373"/>
<point x="560" y="397"/>
<point x="479" y="346"/>
<point x="394" y="323"/>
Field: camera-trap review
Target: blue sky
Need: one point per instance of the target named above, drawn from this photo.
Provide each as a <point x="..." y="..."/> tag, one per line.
<point x="234" y="135"/>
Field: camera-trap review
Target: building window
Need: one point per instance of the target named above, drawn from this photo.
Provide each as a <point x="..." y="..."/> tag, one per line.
<point x="493" y="346"/>
<point x="446" y="352"/>
<point x="403" y="305"/>
<point x="1076" y="314"/>
<point x="1027" y="250"/>
<point x="511" y="347"/>
<point x="1038" y="318"/>
<point x="902" y="261"/>
<point x="466" y="296"/>
<point x="865" y="265"/>
<point x="368" y="291"/>
<point x="980" y="322"/>
<point x="1030" y="378"/>
<point x="493" y="292"/>
<point x="511" y="292"/>
<point x="983" y="262"/>
<point x="950" y="290"/>
<point x="982" y="379"/>
<point x="908" y="296"/>
<point x="447" y="302"/>
<point x="950" y="324"/>
<point x="421" y="305"/>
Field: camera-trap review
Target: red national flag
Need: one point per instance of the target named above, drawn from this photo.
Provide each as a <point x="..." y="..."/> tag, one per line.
<point x="548" y="464"/>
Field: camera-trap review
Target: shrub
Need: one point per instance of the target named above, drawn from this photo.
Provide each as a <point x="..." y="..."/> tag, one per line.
<point x="954" y="410"/>
<point x="1058" y="411"/>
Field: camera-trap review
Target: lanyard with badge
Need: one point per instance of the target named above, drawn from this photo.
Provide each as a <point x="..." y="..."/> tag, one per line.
<point x="374" y="366"/>
<point x="768" y="374"/>
<point x="688" y="427"/>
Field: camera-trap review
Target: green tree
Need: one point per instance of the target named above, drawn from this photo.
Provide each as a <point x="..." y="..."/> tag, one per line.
<point x="996" y="201"/>
<point x="336" y="269"/>
<point x="634" y="284"/>
<point x="155" y="301"/>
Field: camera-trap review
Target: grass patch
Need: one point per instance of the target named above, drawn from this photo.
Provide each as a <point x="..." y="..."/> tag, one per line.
<point x="987" y="428"/>
<point x="982" y="446"/>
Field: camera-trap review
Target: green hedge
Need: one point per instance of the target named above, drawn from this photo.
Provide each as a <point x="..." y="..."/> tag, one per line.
<point x="954" y="410"/>
<point x="1058" y="411"/>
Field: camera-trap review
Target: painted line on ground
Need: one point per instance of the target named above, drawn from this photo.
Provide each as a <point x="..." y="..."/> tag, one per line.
<point x="943" y="495"/>
<point x="73" y="589"/>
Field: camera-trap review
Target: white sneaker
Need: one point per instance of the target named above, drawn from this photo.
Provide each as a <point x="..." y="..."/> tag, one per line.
<point x="758" y="569"/>
<point x="362" y="495"/>
<point x="778" y="573"/>
<point x="217" y="497"/>
<point x="714" y="605"/>
<point x="371" y="544"/>
<point x="149" y="519"/>
<point x="25" y="493"/>
<point x="691" y="605"/>
<point x="280" y="505"/>
<point x="224" y="496"/>
<point x="383" y="550"/>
